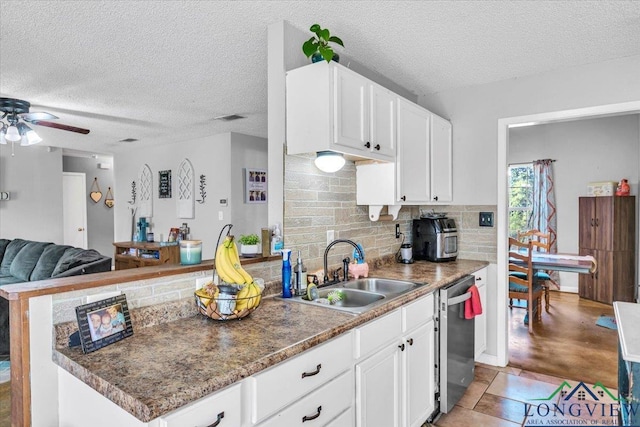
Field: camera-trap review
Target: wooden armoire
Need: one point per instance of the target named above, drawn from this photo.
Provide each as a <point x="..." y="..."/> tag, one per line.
<point x="607" y="232"/>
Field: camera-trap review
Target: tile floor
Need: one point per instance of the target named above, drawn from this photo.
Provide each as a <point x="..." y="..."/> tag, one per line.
<point x="505" y="397"/>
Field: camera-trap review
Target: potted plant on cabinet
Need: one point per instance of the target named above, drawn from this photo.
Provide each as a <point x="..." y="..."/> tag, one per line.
<point x="318" y="47"/>
<point x="249" y="244"/>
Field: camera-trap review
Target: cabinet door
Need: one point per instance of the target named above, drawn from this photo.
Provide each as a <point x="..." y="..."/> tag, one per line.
<point x="481" y="320"/>
<point x="382" y="119"/>
<point x="351" y="122"/>
<point x="413" y="155"/>
<point x="603" y="229"/>
<point x="586" y="222"/>
<point x="418" y="375"/>
<point x="441" y="160"/>
<point x="586" y="282"/>
<point x="378" y="389"/>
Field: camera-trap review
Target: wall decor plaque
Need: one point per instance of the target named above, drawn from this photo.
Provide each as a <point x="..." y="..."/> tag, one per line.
<point x="164" y="184"/>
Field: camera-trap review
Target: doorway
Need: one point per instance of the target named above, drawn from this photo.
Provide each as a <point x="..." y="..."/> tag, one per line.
<point x="502" y="217"/>
<point x="74" y="209"/>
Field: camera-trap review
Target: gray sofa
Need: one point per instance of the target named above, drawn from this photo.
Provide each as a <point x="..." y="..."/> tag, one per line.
<point x="28" y="261"/>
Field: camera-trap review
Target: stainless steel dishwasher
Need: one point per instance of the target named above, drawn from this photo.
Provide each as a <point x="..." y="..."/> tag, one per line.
<point x="456" y="339"/>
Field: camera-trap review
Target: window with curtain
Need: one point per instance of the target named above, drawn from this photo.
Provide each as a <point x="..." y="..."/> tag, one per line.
<point x="520" y="197"/>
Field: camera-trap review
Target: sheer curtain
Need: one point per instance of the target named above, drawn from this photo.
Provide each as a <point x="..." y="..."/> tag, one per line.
<point x="543" y="217"/>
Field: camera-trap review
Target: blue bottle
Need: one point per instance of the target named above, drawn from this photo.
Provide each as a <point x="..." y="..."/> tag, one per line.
<point x="286" y="273"/>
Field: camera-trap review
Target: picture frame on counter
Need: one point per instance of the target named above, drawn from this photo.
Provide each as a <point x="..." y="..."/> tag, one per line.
<point x="103" y="322"/>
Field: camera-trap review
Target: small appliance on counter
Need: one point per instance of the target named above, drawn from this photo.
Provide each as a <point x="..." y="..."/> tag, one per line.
<point x="405" y="256"/>
<point x="435" y="238"/>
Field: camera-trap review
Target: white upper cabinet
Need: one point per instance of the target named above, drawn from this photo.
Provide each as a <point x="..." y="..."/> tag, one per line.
<point x="330" y="107"/>
<point x="424" y="159"/>
<point x="441" y="160"/>
<point x="413" y="159"/>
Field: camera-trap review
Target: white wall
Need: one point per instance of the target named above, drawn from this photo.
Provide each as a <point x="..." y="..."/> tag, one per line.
<point x="210" y="156"/>
<point x="602" y="149"/>
<point x="34" y="178"/>
<point x="247" y="152"/>
<point x="474" y="112"/>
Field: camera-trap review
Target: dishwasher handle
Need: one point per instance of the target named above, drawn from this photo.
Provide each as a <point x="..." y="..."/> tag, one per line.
<point x="459" y="299"/>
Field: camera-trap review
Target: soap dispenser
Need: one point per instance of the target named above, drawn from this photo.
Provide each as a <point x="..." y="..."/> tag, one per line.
<point x="286" y="273"/>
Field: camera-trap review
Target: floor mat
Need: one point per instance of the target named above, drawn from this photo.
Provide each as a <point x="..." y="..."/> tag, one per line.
<point x="607" y="322"/>
<point x="5" y="373"/>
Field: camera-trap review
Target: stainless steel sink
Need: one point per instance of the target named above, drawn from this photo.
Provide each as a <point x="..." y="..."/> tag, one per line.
<point x="384" y="286"/>
<point x="351" y="297"/>
<point x="361" y="295"/>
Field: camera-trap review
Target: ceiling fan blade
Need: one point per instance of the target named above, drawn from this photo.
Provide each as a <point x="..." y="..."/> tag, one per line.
<point x="60" y="126"/>
<point x="37" y="115"/>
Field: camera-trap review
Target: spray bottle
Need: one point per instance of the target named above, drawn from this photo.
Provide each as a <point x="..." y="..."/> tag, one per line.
<point x="286" y="273"/>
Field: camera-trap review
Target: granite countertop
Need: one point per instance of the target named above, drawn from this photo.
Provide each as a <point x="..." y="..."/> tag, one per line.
<point x="163" y="367"/>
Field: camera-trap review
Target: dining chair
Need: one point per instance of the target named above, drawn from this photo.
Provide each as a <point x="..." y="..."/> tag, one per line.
<point x="541" y="243"/>
<point x="522" y="285"/>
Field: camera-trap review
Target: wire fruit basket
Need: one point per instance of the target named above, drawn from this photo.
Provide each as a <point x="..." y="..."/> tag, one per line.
<point x="222" y="302"/>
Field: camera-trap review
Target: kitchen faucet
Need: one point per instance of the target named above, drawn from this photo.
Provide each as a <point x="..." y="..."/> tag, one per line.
<point x="326" y="252"/>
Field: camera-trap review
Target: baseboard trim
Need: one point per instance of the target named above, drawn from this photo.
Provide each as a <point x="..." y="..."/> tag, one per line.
<point x="488" y="359"/>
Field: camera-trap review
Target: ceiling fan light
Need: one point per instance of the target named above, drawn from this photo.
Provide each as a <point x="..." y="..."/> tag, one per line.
<point x="12" y="134"/>
<point x="32" y="138"/>
<point x="328" y="161"/>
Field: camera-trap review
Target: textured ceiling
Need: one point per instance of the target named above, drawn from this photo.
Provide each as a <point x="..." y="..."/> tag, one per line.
<point x="159" y="71"/>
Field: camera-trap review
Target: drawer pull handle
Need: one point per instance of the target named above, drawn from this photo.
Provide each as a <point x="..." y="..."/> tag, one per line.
<point x="312" y="417"/>
<point x="220" y="417"/>
<point x="410" y="341"/>
<point x="310" y="374"/>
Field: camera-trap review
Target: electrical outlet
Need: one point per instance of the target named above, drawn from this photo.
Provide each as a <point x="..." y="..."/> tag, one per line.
<point x="331" y="236"/>
<point x="397" y="231"/>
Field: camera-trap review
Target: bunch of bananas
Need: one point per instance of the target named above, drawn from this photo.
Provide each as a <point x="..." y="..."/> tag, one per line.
<point x="230" y="270"/>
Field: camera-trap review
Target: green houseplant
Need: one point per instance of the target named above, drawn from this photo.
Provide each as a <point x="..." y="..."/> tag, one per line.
<point x="249" y="244"/>
<point x="318" y="48"/>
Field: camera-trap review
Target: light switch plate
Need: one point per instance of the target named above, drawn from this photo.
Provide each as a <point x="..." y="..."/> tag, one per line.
<point x="486" y="219"/>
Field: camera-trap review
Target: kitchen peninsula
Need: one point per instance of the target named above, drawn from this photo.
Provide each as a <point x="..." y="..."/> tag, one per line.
<point x="164" y="368"/>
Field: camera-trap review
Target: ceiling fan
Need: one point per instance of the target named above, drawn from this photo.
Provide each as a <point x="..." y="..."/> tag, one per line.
<point x="15" y="112"/>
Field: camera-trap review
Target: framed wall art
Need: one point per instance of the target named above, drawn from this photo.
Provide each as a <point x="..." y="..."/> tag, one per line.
<point x="103" y="322"/>
<point x="255" y="186"/>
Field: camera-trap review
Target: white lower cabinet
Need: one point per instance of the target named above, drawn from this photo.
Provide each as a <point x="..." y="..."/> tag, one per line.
<point x="318" y="408"/>
<point x="481" y="320"/>
<point x="277" y="388"/>
<point x="395" y="385"/>
<point x="221" y="409"/>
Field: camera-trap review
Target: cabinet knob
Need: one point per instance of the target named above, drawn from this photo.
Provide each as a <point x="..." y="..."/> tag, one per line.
<point x="435" y="198"/>
<point x="368" y="144"/>
<point x="80" y="229"/>
<point x="410" y="341"/>
<point x="377" y="147"/>
<point x="403" y="198"/>
<point x="592" y="222"/>
<point x="401" y="347"/>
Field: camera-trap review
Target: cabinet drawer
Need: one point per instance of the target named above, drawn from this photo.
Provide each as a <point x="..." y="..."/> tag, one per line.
<point x="417" y="313"/>
<point x="320" y="407"/>
<point x="377" y="333"/>
<point x="346" y="419"/>
<point x="223" y="405"/>
<point x="293" y="379"/>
